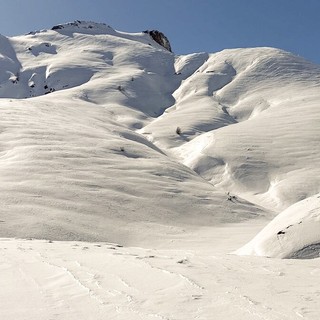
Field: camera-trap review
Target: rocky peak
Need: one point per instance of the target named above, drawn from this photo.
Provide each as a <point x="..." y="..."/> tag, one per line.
<point x="84" y="26"/>
<point x="160" y="38"/>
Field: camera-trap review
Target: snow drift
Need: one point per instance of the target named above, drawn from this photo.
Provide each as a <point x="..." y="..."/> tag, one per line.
<point x="294" y="233"/>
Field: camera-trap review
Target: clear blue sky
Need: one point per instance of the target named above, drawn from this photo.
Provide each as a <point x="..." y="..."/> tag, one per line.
<point x="190" y="25"/>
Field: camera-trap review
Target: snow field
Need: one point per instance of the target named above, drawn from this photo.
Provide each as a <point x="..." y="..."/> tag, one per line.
<point x="90" y="151"/>
<point x="77" y="280"/>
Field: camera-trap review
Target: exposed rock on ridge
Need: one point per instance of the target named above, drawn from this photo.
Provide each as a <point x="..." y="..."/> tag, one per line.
<point x="160" y="38"/>
<point x="81" y="24"/>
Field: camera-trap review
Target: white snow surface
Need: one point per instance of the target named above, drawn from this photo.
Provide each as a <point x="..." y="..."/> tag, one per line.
<point x="294" y="233"/>
<point x="76" y="280"/>
<point x="90" y="151"/>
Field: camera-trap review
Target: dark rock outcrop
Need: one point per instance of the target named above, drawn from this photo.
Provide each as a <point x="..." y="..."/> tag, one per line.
<point x="83" y="25"/>
<point x="160" y="38"/>
<point x="76" y="23"/>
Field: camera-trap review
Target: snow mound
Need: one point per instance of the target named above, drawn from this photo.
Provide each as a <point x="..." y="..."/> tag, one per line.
<point x="294" y="233"/>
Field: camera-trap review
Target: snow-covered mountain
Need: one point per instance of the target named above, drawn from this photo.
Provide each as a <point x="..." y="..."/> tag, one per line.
<point x="109" y="137"/>
<point x="104" y="131"/>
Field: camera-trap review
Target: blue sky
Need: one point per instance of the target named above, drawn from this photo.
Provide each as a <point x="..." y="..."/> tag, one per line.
<point x="190" y="25"/>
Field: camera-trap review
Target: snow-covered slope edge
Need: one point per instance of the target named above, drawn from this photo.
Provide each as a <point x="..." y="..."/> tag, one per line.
<point x="294" y="233"/>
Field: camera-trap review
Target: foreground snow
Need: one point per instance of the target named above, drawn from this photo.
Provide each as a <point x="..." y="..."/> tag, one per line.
<point x="77" y="280"/>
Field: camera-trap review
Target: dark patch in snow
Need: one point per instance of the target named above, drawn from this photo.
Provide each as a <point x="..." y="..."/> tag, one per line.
<point x="183" y="261"/>
<point x="44" y="47"/>
<point x="15" y="79"/>
<point x="309" y="252"/>
<point x="50" y="90"/>
<point x="76" y="23"/>
<point x="231" y="198"/>
<point x="159" y="38"/>
<point x="58" y="27"/>
<point x="81" y="25"/>
<point x="289" y="226"/>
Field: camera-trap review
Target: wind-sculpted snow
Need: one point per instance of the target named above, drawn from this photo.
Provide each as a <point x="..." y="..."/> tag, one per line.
<point x="102" y="128"/>
<point x="294" y="233"/>
<point x="70" y="55"/>
<point x="34" y="68"/>
<point x="70" y="171"/>
<point x="79" y="280"/>
<point x="239" y="115"/>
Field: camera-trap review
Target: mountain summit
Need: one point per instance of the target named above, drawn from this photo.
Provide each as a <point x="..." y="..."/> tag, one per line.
<point x="108" y="135"/>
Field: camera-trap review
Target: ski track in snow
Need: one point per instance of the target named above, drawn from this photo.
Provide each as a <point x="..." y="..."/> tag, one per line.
<point x="85" y="281"/>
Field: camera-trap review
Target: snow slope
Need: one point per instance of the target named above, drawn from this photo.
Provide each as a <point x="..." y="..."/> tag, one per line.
<point x="294" y="233"/>
<point x="73" y="163"/>
<point x="107" y="137"/>
<point x="249" y="121"/>
<point x="88" y="134"/>
<point x="249" y="124"/>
